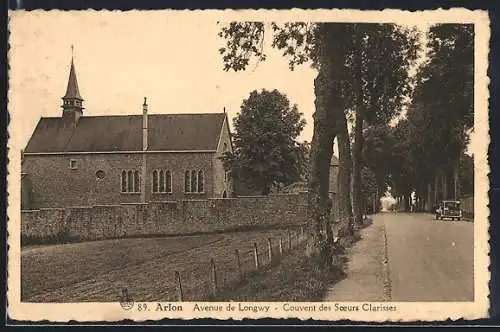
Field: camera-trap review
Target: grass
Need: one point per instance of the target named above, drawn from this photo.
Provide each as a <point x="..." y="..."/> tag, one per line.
<point x="98" y="271"/>
<point x="295" y="278"/>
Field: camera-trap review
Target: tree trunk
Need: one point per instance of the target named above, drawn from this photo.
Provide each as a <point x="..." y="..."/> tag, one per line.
<point x="429" y="198"/>
<point x="328" y="110"/>
<point x="357" y="196"/>
<point x="436" y="188"/>
<point x="324" y="133"/>
<point x="456" y="189"/>
<point x="358" y="133"/>
<point x="445" y="185"/>
<point x="344" y="177"/>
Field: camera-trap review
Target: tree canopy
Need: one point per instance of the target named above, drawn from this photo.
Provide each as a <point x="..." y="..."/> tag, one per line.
<point x="431" y="140"/>
<point x="266" y="151"/>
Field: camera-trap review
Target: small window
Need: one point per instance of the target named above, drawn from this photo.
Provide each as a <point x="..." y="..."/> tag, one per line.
<point x="100" y="174"/>
<point x="73" y="164"/>
<point x="225" y="147"/>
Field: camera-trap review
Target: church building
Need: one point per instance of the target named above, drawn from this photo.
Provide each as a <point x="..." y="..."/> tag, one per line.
<point x="78" y="160"/>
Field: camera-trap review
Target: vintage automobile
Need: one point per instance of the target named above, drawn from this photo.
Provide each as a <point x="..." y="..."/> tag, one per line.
<point x="449" y="209"/>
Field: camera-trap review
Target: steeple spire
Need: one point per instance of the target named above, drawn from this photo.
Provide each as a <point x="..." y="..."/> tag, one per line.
<point x="72" y="90"/>
<point x="72" y="100"/>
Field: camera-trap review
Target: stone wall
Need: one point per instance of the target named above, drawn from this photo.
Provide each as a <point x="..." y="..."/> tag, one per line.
<point x="162" y="218"/>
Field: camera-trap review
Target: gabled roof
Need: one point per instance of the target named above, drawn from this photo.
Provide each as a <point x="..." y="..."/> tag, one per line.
<point x="167" y="132"/>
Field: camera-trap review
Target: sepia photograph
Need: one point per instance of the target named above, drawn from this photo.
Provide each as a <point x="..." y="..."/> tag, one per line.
<point x="224" y="164"/>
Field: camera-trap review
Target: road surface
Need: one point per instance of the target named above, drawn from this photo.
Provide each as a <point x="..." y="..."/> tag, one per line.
<point x="410" y="257"/>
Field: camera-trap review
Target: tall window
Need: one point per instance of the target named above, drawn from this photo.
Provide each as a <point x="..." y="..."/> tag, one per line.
<point x="194" y="181"/>
<point x="130" y="181"/>
<point x="162" y="181"/>
<point x="200" y="181"/>
<point x="187" y="182"/>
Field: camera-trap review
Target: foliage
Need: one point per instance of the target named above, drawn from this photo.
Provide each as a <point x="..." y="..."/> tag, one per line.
<point x="435" y="132"/>
<point x="466" y="175"/>
<point x="378" y="64"/>
<point x="322" y="45"/>
<point x="377" y="152"/>
<point x="369" y="182"/>
<point x="266" y="151"/>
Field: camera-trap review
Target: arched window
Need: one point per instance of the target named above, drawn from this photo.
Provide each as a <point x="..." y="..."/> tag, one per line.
<point x="137" y="182"/>
<point x="124" y="181"/>
<point x="187" y="182"/>
<point x="130" y="181"/>
<point x="225" y="146"/>
<point x="200" y="181"/>
<point x="162" y="181"/>
<point x="193" y="181"/>
<point x="168" y="181"/>
<point x="155" y="181"/>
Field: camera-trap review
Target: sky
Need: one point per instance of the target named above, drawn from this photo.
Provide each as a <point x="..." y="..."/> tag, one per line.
<point x="120" y="59"/>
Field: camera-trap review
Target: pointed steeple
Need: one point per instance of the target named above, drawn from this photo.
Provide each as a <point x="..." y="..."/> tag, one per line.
<point x="72" y="101"/>
<point x="72" y="91"/>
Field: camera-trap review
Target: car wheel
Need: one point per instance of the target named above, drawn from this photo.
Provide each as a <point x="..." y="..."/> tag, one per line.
<point x="459" y="218"/>
<point x="437" y="217"/>
<point x="452" y="219"/>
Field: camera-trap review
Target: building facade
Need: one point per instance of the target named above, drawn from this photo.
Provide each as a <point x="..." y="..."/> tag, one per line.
<point x="77" y="160"/>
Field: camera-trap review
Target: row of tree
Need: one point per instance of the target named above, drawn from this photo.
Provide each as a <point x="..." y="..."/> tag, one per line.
<point x="363" y="79"/>
<point x="431" y="141"/>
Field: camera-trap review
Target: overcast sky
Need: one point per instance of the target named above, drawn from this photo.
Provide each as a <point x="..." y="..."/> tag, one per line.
<point x="172" y="60"/>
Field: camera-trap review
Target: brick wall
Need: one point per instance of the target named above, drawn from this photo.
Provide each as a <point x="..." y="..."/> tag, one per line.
<point x="54" y="184"/>
<point x="163" y="218"/>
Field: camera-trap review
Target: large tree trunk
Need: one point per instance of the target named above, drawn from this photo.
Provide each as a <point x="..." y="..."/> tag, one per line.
<point x="344" y="178"/>
<point x="329" y="109"/>
<point x="321" y="155"/>
<point x="357" y="196"/>
<point x="358" y="134"/>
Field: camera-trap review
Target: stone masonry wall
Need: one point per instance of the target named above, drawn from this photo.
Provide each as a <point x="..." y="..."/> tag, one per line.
<point x="55" y="184"/>
<point x="163" y="218"/>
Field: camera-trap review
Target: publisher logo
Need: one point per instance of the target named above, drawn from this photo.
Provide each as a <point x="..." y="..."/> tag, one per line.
<point x="126" y="301"/>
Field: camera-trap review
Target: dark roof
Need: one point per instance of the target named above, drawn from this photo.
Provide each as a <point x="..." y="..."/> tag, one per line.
<point x="72" y="91"/>
<point x="124" y="133"/>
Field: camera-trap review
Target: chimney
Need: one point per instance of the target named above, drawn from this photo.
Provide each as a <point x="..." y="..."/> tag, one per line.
<point x="144" y="149"/>
<point x="144" y="125"/>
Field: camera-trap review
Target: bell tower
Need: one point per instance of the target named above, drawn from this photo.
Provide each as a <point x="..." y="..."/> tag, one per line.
<point x="72" y="101"/>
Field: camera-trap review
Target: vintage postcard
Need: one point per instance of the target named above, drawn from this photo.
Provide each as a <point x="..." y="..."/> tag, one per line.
<point x="324" y="164"/>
